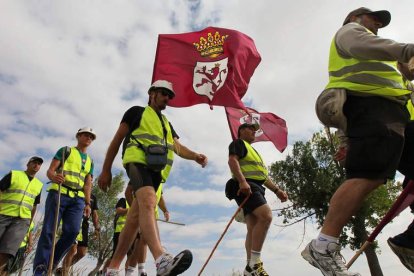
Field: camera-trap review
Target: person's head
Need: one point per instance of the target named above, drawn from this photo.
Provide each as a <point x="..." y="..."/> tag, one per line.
<point x="247" y="131"/>
<point x="33" y="165"/>
<point x="85" y="136"/>
<point x="372" y="20"/>
<point x="160" y="92"/>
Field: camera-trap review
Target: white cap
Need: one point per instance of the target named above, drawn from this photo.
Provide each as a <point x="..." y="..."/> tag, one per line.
<point x="87" y="130"/>
<point x="163" y="84"/>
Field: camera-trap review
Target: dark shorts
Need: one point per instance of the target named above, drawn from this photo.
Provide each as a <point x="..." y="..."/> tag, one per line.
<point x="256" y="199"/>
<point x="115" y="242"/>
<point x="140" y="176"/>
<point x="406" y="166"/>
<point x="85" y="236"/>
<point x="375" y="128"/>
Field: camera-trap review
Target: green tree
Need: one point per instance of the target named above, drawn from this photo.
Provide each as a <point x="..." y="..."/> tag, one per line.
<point x="101" y="248"/>
<point x="310" y="176"/>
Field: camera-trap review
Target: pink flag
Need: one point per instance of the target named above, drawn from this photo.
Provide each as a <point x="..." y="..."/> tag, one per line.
<point x="272" y="127"/>
<point x="212" y="66"/>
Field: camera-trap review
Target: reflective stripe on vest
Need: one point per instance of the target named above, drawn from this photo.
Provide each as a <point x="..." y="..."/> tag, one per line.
<point x="252" y="164"/>
<point x="120" y="223"/>
<point x="18" y="200"/>
<point x="375" y="77"/>
<point x="74" y="174"/>
<point x="150" y="131"/>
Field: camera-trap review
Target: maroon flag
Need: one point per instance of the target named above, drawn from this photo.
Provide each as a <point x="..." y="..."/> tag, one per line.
<point x="272" y="127"/>
<point x="405" y="199"/>
<point x="212" y="66"/>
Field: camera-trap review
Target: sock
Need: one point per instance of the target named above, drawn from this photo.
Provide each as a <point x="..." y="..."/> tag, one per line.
<point x="322" y="241"/>
<point x="254" y="258"/>
<point x="131" y="268"/>
<point x="158" y="260"/>
<point x="109" y="270"/>
<point x="141" y="268"/>
<point x="247" y="261"/>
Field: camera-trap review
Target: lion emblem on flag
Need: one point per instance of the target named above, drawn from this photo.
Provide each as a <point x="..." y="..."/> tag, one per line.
<point x="209" y="77"/>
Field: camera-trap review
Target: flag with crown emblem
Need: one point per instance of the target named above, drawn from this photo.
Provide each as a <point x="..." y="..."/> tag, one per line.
<point x="272" y="128"/>
<point x="212" y="66"/>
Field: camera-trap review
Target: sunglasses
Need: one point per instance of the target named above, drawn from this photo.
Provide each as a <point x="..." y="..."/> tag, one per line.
<point x="166" y="93"/>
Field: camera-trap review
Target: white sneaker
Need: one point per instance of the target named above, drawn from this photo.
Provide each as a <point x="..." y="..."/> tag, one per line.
<point x="330" y="264"/>
<point x="172" y="266"/>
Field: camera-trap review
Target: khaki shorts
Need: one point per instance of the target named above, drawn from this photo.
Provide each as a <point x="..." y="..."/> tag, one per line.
<point x="12" y="232"/>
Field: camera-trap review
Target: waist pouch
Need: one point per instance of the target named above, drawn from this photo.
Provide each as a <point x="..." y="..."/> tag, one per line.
<point x="156" y="157"/>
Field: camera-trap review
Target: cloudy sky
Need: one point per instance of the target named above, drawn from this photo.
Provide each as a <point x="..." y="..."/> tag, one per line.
<point x="69" y="64"/>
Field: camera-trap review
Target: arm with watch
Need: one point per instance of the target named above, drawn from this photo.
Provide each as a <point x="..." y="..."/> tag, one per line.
<point x="87" y="188"/>
<point x="282" y="195"/>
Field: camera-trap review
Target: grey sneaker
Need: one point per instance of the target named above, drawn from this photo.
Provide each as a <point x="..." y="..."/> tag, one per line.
<point x="172" y="266"/>
<point x="330" y="264"/>
<point x="406" y="255"/>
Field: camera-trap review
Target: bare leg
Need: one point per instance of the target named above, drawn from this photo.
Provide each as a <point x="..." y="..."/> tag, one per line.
<point x="127" y="236"/>
<point x="263" y="216"/>
<point x="139" y="254"/>
<point x="4" y="258"/>
<point x="80" y="253"/>
<point x="250" y="223"/>
<point x="147" y="201"/>
<point x="67" y="261"/>
<point x="346" y="201"/>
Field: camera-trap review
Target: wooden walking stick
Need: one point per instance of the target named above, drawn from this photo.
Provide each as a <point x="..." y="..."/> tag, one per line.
<point x="222" y="235"/>
<point x="55" y="225"/>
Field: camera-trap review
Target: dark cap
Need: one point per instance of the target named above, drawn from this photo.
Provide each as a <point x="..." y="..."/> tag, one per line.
<point x="36" y="158"/>
<point x="383" y="15"/>
<point x="245" y="125"/>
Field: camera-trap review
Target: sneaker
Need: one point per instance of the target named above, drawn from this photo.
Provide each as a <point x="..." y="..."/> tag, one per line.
<point x="172" y="266"/>
<point x="330" y="264"/>
<point x="406" y="255"/>
<point x="143" y="274"/>
<point x="112" y="272"/>
<point x="257" y="270"/>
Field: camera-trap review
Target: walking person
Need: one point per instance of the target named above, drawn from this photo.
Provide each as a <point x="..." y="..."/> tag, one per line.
<point x="75" y="177"/>
<point x="249" y="176"/>
<point x="151" y="143"/>
<point x="79" y="249"/>
<point x="139" y="253"/>
<point x="19" y="195"/>
<point x="362" y="70"/>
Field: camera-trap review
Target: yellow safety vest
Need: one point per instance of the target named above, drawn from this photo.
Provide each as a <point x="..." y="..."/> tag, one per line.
<point x="149" y="132"/>
<point x="26" y="237"/>
<point x="19" y="198"/>
<point x="376" y="77"/>
<point x="74" y="174"/>
<point x="158" y="194"/>
<point x="251" y="165"/>
<point x="120" y="223"/>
